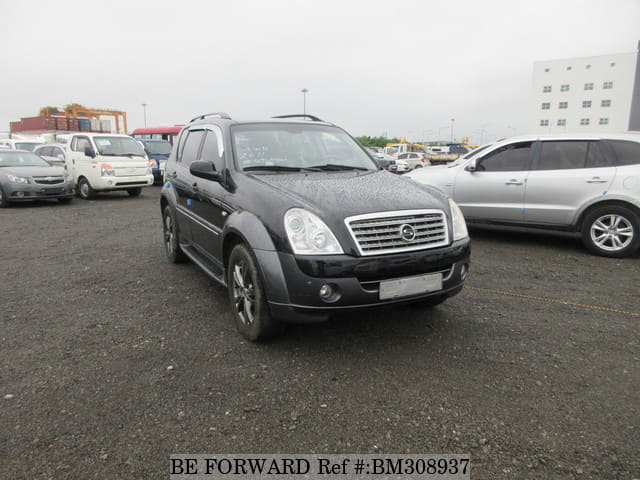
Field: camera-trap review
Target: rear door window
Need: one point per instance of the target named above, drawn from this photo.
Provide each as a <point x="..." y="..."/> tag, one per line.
<point x="566" y="155"/>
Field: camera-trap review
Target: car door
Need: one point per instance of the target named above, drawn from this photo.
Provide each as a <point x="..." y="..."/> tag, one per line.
<point x="495" y="190"/>
<point x="78" y="163"/>
<point x="566" y="174"/>
<point x="210" y="207"/>
<point x="184" y="183"/>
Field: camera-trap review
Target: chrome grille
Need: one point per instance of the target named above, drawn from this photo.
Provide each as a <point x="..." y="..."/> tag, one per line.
<point x="400" y="231"/>
<point x="48" y="180"/>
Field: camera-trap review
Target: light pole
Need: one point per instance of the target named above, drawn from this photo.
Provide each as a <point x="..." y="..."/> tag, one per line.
<point x="304" y="100"/>
<point x="144" y="108"/>
<point x="452" y="120"/>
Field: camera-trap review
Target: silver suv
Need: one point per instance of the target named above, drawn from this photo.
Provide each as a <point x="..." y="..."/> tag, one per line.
<point x="583" y="183"/>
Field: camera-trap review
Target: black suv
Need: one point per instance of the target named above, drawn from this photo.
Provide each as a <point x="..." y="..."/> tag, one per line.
<point x="297" y="221"/>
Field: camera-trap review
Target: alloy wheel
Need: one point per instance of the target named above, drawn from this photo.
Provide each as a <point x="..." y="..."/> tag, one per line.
<point x="612" y="232"/>
<point x="243" y="293"/>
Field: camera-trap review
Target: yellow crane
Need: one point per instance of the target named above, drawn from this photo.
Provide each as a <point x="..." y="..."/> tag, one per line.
<point x="75" y="110"/>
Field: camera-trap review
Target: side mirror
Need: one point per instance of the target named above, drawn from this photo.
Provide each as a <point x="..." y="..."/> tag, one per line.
<point x="205" y="170"/>
<point x="88" y="151"/>
<point x="471" y="166"/>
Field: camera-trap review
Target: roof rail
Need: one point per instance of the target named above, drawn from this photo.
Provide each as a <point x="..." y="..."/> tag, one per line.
<point x="215" y="114"/>
<point x="300" y="115"/>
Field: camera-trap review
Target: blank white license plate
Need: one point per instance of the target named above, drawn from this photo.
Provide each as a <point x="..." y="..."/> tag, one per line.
<point x="405" y="287"/>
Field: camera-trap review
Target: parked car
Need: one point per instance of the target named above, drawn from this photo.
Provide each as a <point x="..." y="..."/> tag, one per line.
<point x="52" y="153"/>
<point x="581" y="183"/>
<point x="415" y="159"/>
<point x="102" y="162"/>
<point x="297" y="221"/>
<point x="158" y="152"/>
<point x="25" y="176"/>
<point x="17" y="144"/>
<point x="399" y="166"/>
<point x="383" y="160"/>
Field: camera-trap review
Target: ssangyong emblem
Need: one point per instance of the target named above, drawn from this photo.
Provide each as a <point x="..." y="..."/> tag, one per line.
<point x="407" y="232"/>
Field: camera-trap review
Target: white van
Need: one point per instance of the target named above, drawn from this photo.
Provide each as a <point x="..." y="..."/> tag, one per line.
<point x="19" y="144"/>
<point x="100" y="162"/>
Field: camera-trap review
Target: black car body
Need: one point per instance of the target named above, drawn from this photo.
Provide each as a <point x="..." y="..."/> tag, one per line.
<point x="216" y="199"/>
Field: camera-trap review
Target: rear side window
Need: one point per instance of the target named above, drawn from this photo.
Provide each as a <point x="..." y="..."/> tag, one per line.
<point x="627" y="153"/>
<point x="570" y="155"/>
<point x="211" y="151"/>
<point x="510" y="158"/>
<point x="191" y="147"/>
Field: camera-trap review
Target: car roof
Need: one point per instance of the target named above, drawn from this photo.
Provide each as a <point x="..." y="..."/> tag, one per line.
<point x="225" y="119"/>
<point x="574" y="136"/>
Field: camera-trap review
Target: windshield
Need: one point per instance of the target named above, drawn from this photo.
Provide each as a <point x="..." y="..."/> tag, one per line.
<point x="157" y="148"/>
<point x="289" y="147"/>
<point x="21" y="159"/>
<point x="115" y="146"/>
<point x="27" y="145"/>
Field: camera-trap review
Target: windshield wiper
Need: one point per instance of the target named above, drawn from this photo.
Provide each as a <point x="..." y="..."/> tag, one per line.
<point x="336" y="167"/>
<point x="279" y="168"/>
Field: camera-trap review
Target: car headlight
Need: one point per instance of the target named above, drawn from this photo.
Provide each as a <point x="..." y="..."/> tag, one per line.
<point x="457" y="222"/>
<point x="308" y="235"/>
<point x="107" y="170"/>
<point x="14" y="179"/>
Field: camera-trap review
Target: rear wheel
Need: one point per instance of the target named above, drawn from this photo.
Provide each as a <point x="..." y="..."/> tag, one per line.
<point x="171" y="238"/>
<point x="134" y="192"/>
<point x="85" y="191"/>
<point x="611" y="231"/>
<point x="246" y="295"/>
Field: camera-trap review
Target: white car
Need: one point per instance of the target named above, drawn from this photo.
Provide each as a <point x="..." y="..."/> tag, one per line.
<point x="399" y="166"/>
<point x="581" y="183"/>
<point x="19" y="144"/>
<point x="100" y="162"/>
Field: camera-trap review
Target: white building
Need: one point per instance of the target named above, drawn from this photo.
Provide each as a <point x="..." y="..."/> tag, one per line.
<point x="587" y="94"/>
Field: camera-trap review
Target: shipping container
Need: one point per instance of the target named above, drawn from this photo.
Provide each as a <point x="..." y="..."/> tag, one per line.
<point x="105" y="126"/>
<point x="62" y="123"/>
<point x="15" y="126"/>
<point x="38" y="123"/>
<point x="84" y="124"/>
<point x="74" y="124"/>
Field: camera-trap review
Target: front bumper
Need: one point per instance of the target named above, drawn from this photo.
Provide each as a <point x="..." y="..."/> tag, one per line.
<point x="121" y="183"/>
<point x="293" y="283"/>
<point x="17" y="192"/>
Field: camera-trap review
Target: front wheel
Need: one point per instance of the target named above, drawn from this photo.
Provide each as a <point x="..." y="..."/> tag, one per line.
<point x="611" y="231"/>
<point x="134" y="192"/>
<point x="3" y="200"/>
<point x="85" y="190"/>
<point x="250" y="310"/>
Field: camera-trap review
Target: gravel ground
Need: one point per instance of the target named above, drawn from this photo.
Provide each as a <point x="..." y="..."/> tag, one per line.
<point x="112" y="359"/>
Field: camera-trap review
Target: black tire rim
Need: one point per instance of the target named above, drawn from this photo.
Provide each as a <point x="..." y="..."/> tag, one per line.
<point x="168" y="233"/>
<point x="243" y="291"/>
<point x="611" y="232"/>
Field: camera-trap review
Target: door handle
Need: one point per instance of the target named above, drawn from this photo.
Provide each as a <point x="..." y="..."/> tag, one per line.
<point x="596" y="180"/>
<point x="513" y="181"/>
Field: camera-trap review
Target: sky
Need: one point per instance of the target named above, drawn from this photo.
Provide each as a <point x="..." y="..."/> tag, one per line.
<point x="401" y="68"/>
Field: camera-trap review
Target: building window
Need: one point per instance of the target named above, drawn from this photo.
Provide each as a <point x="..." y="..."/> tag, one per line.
<point x="568" y="68"/>
<point x="607" y="85"/>
<point x="605" y="103"/>
<point x="613" y="64"/>
<point x="586" y="104"/>
<point x="546" y="89"/>
<point x="584" y="121"/>
<point x="546" y="69"/>
<point x="545" y="123"/>
<point x="604" y="121"/>
<point x="588" y="86"/>
<point x="562" y="122"/>
<point x="564" y="88"/>
<point x="563" y="105"/>
<point x="587" y="67"/>
<point x="546" y="106"/>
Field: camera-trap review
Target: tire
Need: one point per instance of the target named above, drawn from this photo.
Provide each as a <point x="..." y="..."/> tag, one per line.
<point x="4" y="203"/>
<point x="171" y="238"/>
<point x="246" y="297"/>
<point x="65" y="201"/>
<point x="134" y="192"/>
<point x="611" y="231"/>
<point x="417" y="166"/>
<point x="85" y="191"/>
<point x="429" y="302"/>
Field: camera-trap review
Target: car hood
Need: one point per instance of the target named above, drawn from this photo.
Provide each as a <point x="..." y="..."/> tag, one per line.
<point x="31" y="171"/>
<point x="338" y="195"/>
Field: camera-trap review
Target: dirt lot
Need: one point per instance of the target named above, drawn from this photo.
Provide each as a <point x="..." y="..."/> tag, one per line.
<point x="112" y="359"/>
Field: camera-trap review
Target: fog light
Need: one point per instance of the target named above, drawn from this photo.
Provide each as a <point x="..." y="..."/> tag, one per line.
<point x="326" y="291"/>
<point x="19" y="194"/>
<point x="464" y="272"/>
